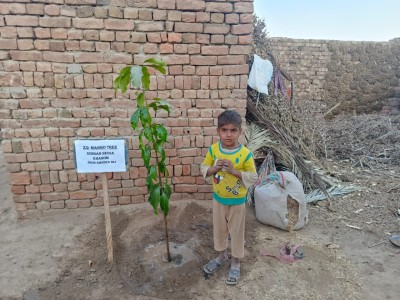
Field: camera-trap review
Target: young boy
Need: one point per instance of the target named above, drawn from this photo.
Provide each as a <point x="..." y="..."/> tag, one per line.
<point x="232" y="168"/>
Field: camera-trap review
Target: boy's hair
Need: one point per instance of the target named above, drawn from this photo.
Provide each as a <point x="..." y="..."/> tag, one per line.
<point x="230" y="117"/>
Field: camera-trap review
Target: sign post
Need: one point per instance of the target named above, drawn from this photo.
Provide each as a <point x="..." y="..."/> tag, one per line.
<point x="102" y="156"/>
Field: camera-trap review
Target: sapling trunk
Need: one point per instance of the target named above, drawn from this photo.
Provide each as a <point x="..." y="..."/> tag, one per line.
<point x="155" y="134"/>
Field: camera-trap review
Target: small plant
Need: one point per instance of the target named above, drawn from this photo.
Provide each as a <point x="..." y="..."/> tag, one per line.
<point x="152" y="136"/>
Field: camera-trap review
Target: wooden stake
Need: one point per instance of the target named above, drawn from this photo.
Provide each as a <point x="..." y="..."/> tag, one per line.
<point x="104" y="183"/>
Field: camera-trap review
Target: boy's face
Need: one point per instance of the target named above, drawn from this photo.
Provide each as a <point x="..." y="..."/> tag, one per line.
<point x="229" y="135"/>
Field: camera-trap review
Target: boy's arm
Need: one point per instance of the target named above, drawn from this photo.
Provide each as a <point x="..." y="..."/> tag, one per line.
<point x="249" y="176"/>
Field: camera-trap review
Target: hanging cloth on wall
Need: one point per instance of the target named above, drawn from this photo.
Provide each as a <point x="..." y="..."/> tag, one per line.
<point x="279" y="83"/>
<point x="260" y="74"/>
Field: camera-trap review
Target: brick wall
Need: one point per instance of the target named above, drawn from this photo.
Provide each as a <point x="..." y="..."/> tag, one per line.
<point x="363" y="76"/>
<point x="58" y="59"/>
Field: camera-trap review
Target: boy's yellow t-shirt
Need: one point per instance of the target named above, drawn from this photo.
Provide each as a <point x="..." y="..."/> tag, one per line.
<point x="228" y="189"/>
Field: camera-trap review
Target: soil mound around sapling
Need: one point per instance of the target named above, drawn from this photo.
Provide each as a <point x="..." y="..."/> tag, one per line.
<point x="141" y="270"/>
<point x="140" y="264"/>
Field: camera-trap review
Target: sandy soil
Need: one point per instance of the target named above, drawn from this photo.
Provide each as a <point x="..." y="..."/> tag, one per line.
<point x="63" y="254"/>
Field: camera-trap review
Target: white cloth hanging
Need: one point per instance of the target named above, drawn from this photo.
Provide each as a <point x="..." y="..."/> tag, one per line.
<point x="260" y="74"/>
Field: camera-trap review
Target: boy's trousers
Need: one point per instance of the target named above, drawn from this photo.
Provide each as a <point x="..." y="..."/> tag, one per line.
<point x="229" y="219"/>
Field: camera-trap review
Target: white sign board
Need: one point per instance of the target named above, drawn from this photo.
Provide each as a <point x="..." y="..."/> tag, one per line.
<point x="97" y="156"/>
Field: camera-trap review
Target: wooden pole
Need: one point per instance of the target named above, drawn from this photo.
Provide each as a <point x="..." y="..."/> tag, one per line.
<point x="104" y="183"/>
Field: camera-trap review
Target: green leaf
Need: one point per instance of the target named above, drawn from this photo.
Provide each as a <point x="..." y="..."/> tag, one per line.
<point x="148" y="134"/>
<point x="124" y="71"/>
<point x="149" y="182"/>
<point x="164" y="203"/>
<point x="155" y="61"/>
<point x="162" y="133"/>
<point x="116" y="83"/>
<point x="153" y="172"/>
<point x="146" y="155"/>
<point x="167" y="189"/>
<point x="160" y="104"/>
<point x="161" y="167"/>
<point x="145" y="115"/>
<point x="124" y="78"/>
<point x="154" y="198"/>
<point x="140" y="100"/>
<point x="146" y="78"/>
<point x="160" y="149"/>
<point x="136" y="76"/>
<point x="159" y="68"/>
<point x="135" y="119"/>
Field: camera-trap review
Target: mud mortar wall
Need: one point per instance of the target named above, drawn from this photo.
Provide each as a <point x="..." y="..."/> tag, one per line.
<point x="363" y="76"/>
<point x="58" y="59"/>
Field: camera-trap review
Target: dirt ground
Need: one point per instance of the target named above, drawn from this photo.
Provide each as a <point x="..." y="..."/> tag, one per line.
<point x="63" y="254"/>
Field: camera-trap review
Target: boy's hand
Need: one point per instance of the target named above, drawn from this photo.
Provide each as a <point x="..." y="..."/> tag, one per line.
<point x="218" y="166"/>
<point x="228" y="166"/>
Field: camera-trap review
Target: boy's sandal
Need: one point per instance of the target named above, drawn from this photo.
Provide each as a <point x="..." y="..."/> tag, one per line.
<point x="233" y="277"/>
<point x="213" y="265"/>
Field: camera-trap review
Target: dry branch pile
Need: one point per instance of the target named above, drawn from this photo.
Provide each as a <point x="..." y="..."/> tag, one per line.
<point x="368" y="141"/>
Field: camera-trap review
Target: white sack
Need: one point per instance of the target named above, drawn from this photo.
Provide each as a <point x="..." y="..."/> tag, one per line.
<point x="271" y="202"/>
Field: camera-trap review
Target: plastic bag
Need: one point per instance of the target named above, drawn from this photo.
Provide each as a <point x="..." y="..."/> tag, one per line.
<point x="260" y="74"/>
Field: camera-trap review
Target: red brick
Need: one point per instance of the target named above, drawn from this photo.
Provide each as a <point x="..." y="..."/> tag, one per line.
<point x="112" y="24"/>
<point x="185" y="188"/>
<point x="185" y="27"/>
<point x="242" y="29"/>
<point x="52" y="10"/>
<point x="88" y="23"/>
<point x="147" y="26"/>
<point x="219" y="7"/>
<point x="216" y="28"/>
<point x="89" y="57"/>
<point x="203" y="60"/>
<point x="58" y="57"/>
<point x="82" y="194"/>
<point x="246" y="18"/>
<point x="214" y="50"/>
<point x="68" y="11"/>
<point x="17" y="9"/>
<point x="26" y="55"/>
<point x="20" y="178"/>
<point x="234" y="70"/>
<point x="166" y="4"/>
<point x="166" y="48"/>
<point x="231" y="60"/>
<point x="243" y="7"/>
<point x="35" y="9"/>
<point x="240" y="49"/>
<point x="42" y="33"/>
<point x="18" y="189"/>
<point x="232" y="19"/>
<point x="142" y="3"/>
<point x="7" y="44"/>
<point x="217" y="18"/>
<point x="41" y="156"/>
<point x="25" y="32"/>
<point x="192" y="5"/>
<point x="22" y="21"/>
<point x="55" y="22"/>
<point x="176" y="59"/>
<point x="27" y="198"/>
<point x="79" y="2"/>
<point x="188" y="17"/>
<point x="57" y="204"/>
<point x="245" y="39"/>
